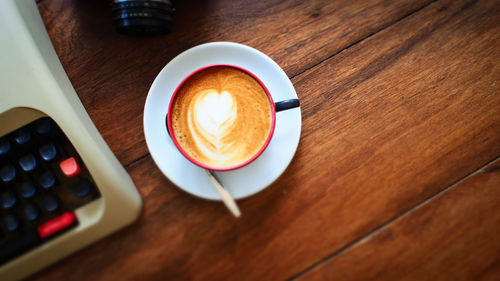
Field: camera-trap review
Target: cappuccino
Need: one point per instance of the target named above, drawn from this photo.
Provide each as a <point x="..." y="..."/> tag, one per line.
<point x="221" y="117"/>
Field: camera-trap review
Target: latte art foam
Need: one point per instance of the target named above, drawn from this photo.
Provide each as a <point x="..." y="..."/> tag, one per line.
<point x="221" y="117"/>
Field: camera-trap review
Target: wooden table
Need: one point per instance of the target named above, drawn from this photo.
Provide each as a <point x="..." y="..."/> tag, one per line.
<point x="397" y="174"/>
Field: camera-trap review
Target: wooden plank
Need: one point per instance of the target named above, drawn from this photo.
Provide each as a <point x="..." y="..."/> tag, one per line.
<point x="387" y="124"/>
<point x="112" y="73"/>
<point x="454" y="236"/>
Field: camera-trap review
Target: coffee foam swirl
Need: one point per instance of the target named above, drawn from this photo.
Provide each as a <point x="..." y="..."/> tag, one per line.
<point x="210" y="119"/>
<point x="221" y="116"/>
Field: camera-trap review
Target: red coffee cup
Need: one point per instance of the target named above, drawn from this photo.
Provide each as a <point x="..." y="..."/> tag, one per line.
<point x="275" y="107"/>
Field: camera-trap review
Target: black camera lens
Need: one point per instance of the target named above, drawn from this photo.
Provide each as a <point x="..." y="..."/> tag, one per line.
<point x="147" y="17"/>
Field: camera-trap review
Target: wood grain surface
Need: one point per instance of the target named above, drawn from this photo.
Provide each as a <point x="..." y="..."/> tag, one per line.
<point x="454" y="236"/>
<point x="112" y="73"/>
<point x="400" y="101"/>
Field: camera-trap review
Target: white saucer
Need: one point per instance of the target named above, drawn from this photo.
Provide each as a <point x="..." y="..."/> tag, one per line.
<point x="241" y="182"/>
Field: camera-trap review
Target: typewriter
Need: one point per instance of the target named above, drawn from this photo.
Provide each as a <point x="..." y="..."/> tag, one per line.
<point x="61" y="187"/>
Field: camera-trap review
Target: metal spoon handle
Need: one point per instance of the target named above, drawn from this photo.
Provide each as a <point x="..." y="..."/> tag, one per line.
<point x="225" y="195"/>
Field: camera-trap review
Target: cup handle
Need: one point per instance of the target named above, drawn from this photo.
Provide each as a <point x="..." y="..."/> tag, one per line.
<point x="286" y="104"/>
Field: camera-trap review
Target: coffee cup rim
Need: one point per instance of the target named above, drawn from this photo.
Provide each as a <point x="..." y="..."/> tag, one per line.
<point x="232" y="167"/>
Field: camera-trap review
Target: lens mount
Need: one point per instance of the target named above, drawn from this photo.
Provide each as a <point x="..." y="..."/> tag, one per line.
<point x="142" y="18"/>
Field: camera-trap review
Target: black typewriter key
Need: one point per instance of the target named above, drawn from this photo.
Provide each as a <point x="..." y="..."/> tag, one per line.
<point x="27" y="162"/>
<point x="11" y="222"/>
<point x="48" y="152"/>
<point x="43" y="126"/>
<point x="81" y="188"/>
<point x="30" y="212"/>
<point x="27" y="189"/>
<point x="50" y="202"/>
<point x="5" y="146"/>
<point x="47" y="180"/>
<point x="7" y="199"/>
<point x="22" y="137"/>
<point x="7" y="173"/>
